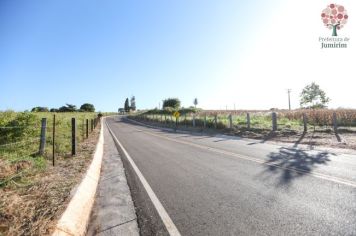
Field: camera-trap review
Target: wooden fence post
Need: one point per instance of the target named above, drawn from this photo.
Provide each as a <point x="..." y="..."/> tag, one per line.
<point x="74" y="141"/>
<point x="87" y="128"/>
<point x="43" y="136"/>
<point x="216" y="121"/>
<point x="204" y="121"/>
<point x="91" y="125"/>
<point x="230" y="121"/>
<point x="176" y="127"/>
<point x="248" y="121"/>
<point x="53" y="138"/>
<point x="83" y="129"/>
<point x="305" y="122"/>
<point x="274" y="121"/>
<point x="335" y="122"/>
<point x="193" y="120"/>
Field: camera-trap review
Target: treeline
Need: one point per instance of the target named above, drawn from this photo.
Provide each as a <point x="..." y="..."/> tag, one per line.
<point x="86" y="107"/>
<point x="127" y="106"/>
<point x="171" y="105"/>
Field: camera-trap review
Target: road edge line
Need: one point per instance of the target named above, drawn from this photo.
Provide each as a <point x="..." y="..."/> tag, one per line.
<point x="167" y="221"/>
<point x="75" y="219"/>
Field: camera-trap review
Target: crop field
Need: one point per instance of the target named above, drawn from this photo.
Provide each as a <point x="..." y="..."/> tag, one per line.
<point x="20" y="141"/>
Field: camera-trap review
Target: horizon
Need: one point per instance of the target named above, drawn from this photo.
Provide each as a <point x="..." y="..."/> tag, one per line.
<point x="62" y="52"/>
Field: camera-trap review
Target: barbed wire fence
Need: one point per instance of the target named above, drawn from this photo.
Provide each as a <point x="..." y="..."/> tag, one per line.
<point x="49" y="137"/>
<point x="301" y="121"/>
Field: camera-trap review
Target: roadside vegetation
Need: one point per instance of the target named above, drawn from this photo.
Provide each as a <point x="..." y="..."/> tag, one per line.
<point x="320" y="119"/>
<point x="33" y="191"/>
<point x="313" y="113"/>
<point x="313" y="123"/>
<point x="20" y="137"/>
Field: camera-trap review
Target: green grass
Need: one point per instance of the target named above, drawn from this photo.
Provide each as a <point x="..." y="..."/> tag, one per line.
<point x="258" y="121"/>
<point x="20" y="137"/>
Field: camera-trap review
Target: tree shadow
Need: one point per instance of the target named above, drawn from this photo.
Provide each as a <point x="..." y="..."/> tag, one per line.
<point x="299" y="140"/>
<point x="291" y="163"/>
<point x="338" y="137"/>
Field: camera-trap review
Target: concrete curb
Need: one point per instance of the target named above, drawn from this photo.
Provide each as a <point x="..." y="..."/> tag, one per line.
<point x="74" y="220"/>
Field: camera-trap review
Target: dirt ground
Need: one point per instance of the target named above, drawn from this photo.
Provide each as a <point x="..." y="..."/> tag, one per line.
<point x="35" y="209"/>
<point x="326" y="138"/>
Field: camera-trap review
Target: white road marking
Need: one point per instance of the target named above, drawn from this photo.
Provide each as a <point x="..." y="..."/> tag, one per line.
<point x="167" y="221"/>
<point x="220" y="151"/>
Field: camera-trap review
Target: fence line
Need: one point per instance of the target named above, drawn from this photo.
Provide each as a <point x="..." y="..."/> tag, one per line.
<point x="273" y="121"/>
<point x="68" y="131"/>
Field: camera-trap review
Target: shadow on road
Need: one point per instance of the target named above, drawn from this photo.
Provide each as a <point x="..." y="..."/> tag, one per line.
<point x="291" y="163"/>
<point x="338" y="137"/>
<point x="299" y="140"/>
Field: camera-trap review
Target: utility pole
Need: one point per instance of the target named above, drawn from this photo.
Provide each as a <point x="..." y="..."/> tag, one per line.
<point x="289" y="90"/>
<point x="234" y="107"/>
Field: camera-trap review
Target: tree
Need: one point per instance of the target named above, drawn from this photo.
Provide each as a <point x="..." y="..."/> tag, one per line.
<point x="313" y="97"/>
<point x="133" y="103"/>
<point x="195" y="102"/>
<point x="334" y="17"/>
<point x="54" y="110"/>
<point x="87" y="107"/>
<point x="39" y="109"/>
<point x="127" y="105"/>
<point x="68" y="108"/>
<point x="172" y="103"/>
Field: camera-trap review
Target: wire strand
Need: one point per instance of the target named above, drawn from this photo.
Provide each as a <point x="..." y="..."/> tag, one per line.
<point x="21" y="142"/>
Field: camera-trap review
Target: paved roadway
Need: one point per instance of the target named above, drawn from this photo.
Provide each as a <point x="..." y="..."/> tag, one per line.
<point x="222" y="186"/>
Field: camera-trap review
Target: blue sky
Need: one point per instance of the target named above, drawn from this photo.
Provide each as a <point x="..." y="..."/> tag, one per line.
<point x="57" y="52"/>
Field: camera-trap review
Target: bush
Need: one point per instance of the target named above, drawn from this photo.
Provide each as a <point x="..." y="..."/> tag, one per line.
<point x="16" y="126"/>
<point x="39" y="109"/>
<point x="87" y="107"/>
<point x="172" y="103"/>
<point x="68" y="108"/>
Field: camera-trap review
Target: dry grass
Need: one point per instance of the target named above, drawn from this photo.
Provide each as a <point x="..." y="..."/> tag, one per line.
<point x="34" y="209"/>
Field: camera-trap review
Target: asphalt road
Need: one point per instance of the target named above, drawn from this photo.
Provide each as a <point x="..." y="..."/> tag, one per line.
<point x="221" y="186"/>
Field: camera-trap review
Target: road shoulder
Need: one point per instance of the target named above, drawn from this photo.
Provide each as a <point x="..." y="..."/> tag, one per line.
<point x="113" y="212"/>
